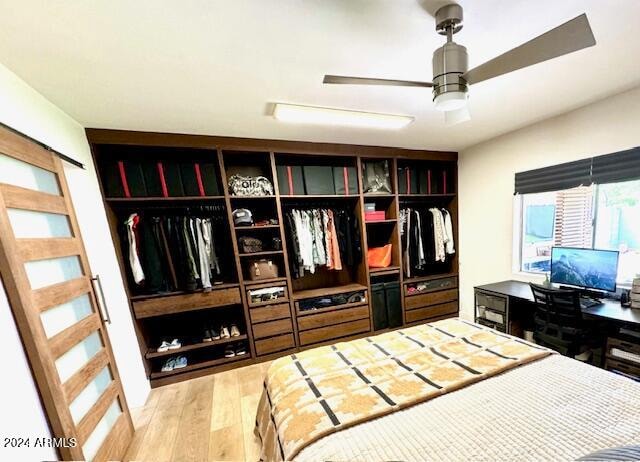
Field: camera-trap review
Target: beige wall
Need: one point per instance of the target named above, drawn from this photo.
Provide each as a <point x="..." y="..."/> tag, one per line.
<point x="486" y="177"/>
<point x="25" y="110"/>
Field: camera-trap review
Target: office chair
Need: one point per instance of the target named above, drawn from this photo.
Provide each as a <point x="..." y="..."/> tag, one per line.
<point x="558" y="321"/>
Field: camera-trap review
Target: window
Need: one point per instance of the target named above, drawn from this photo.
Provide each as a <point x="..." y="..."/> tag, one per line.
<point x="603" y="216"/>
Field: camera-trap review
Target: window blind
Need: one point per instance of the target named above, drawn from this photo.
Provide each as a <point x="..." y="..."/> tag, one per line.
<point x="574" y="216"/>
<point x="613" y="168"/>
<point x="609" y="168"/>
<point x="554" y="178"/>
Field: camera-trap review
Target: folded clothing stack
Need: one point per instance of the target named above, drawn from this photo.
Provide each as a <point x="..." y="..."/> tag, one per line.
<point x="635" y="293"/>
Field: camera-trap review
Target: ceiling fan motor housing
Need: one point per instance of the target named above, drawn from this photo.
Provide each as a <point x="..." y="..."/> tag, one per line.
<point x="449" y="63"/>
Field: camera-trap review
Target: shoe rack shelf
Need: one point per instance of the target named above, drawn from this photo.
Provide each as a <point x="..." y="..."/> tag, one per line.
<point x="276" y="327"/>
<point x="194" y="346"/>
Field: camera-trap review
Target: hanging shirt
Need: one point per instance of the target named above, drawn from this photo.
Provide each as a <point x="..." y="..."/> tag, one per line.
<point x="448" y="230"/>
<point x="134" y="257"/>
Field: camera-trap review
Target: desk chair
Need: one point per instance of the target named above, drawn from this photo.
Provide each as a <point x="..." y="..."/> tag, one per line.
<point x="558" y="321"/>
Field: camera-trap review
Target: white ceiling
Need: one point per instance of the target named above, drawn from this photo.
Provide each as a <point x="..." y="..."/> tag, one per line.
<point x="212" y="66"/>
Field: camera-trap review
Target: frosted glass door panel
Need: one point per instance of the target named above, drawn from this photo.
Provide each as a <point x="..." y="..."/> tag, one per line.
<point x="18" y="173"/>
<point x="42" y="273"/>
<point x="35" y="225"/>
<point x="93" y="443"/>
<point x="58" y="318"/>
<point x="73" y="360"/>
<point x="89" y="396"/>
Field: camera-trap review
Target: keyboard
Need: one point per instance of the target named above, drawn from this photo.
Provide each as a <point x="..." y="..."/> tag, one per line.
<point x="589" y="302"/>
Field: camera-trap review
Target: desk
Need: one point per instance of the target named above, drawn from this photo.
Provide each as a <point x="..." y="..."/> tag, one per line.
<point x="508" y="306"/>
<point x="518" y="294"/>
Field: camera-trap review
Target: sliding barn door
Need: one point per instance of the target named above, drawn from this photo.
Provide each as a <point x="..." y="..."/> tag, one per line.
<point x="46" y="275"/>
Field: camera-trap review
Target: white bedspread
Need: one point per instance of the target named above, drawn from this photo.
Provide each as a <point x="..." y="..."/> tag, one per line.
<point x="554" y="409"/>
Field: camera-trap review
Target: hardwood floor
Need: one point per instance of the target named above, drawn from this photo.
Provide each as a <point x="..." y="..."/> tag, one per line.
<point x="210" y="418"/>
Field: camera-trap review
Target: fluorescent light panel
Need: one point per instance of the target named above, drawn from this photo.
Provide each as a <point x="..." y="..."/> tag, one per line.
<point x="327" y="116"/>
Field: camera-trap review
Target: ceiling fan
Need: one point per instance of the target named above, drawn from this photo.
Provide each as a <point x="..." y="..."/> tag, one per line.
<point x="451" y="77"/>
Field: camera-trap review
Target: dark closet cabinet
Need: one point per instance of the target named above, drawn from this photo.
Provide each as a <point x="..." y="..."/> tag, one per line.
<point x="256" y="283"/>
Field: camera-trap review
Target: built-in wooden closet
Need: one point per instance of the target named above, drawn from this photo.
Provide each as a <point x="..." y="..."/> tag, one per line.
<point x="419" y="179"/>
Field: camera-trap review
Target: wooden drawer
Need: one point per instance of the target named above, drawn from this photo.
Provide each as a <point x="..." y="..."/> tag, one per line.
<point x="433" y="298"/>
<point x="333" y="332"/>
<point x="491" y="301"/>
<point x="623" y="345"/>
<point x="186" y="302"/>
<point x="433" y="285"/>
<point x="273" y="344"/>
<point x="625" y="368"/>
<point x="313" y="321"/>
<point x="427" y="312"/>
<point x="284" y="298"/>
<point x="269" y="313"/>
<point x="271" y="328"/>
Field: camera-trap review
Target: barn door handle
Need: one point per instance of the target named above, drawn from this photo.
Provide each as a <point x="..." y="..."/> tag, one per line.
<point x="104" y="310"/>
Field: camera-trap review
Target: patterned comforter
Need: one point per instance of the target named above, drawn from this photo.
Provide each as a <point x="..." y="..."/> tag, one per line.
<point x="324" y="390"/>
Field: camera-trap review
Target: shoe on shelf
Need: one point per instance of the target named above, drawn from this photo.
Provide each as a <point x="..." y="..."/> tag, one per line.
<point x="181" y="361"/>
<point x="215" y="335"/>
<point x="224" y="332"/>
<point x="229" y="352"/>
<point x="206" y="335"/>
<point x="235" y="332"/>
<point x="175" y="344"/>
<point x="169" y="365"/>
<point x="241" y="349"/>
<point x="164" y="346"/>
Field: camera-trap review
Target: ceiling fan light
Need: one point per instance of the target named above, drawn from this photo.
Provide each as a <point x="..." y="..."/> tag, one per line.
<point x="451" y="101"/>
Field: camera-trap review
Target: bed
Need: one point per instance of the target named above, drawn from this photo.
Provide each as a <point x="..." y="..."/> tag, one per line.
<point x="446" y="391"/>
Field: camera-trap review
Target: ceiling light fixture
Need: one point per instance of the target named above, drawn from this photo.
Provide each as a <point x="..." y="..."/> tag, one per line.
<point x="328" y="116"/>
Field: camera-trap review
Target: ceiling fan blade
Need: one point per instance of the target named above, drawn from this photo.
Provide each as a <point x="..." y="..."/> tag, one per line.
<point x="457" y="116"/>
<point x="346" y="80"/>
<point x="571" y="36"/>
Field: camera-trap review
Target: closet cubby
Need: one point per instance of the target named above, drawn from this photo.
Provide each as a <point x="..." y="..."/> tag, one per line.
<point x="426" y="178"/>
<point x="288" y="311"/>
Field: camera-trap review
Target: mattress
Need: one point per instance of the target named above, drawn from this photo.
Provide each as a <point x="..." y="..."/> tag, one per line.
<point x="552" y="409"/>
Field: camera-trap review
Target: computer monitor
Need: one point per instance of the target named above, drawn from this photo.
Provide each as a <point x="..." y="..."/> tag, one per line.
<point x="588" y="268"/>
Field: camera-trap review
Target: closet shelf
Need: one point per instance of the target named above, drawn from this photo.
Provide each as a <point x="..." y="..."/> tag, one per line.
<point x="312" y="293"/>
<point x="152" y="353"/>
<point x="264" y="281"/>
<point x="258" y="254"/>
<point x="378" y="222"/>
<point x="429" y="277"/>
<point x="422" y="196"/>
<point x="384" y="271"/>
<point x="201" y="365"/>
<point x="246" y="228"/>
<point x="227" y="285"/>
<point x="162" y="199"/>
<point x="373" y="195"/>
<point x="251" y="197"/>
<point x="321" y="196"/>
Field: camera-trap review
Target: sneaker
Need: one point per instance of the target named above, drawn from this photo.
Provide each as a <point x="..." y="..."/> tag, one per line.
<point x="229" y="352"/>
<point x="169" y="365"/>
<point x="206" y="335"/>
<point x="181" y="361"/>
<point x="241" y="350"/>
<point x="235" y="332"/>
<point x="215" y="335"/>
<point x="224" y="332"/>
<point x="175" y="344"/>
<point x="164" y="346"/>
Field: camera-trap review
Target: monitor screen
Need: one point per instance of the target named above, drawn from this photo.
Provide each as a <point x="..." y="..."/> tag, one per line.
<point x="593" y="269"/>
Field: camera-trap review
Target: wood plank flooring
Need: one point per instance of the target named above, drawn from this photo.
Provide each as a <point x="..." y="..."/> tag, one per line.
<point x="209" y="418"/>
